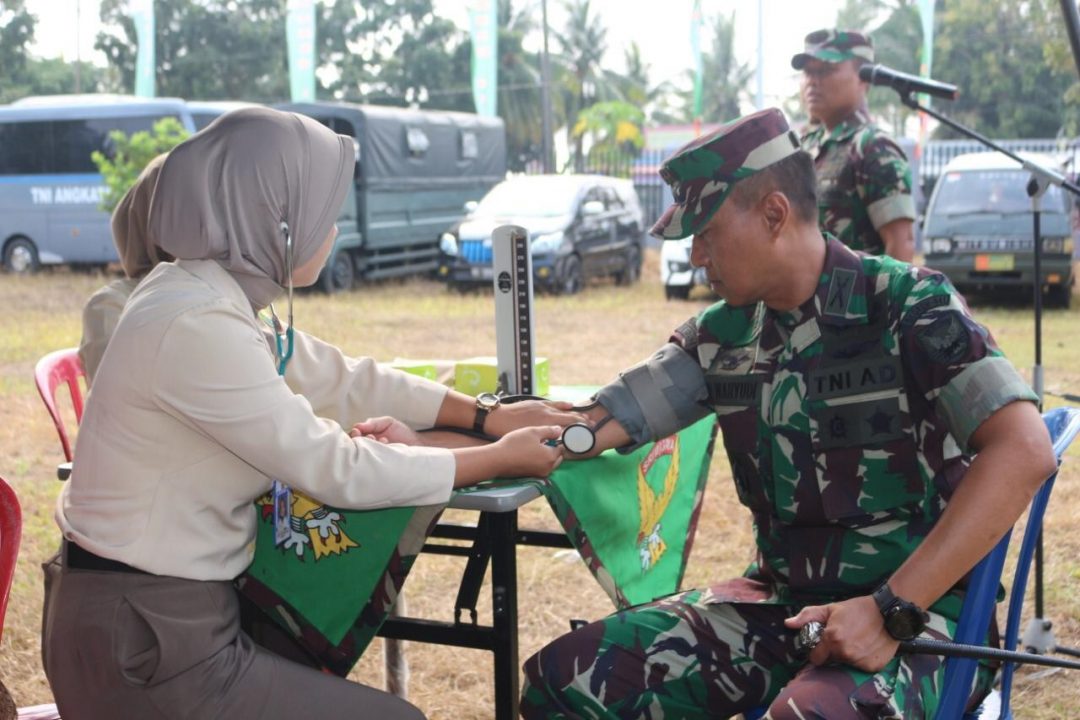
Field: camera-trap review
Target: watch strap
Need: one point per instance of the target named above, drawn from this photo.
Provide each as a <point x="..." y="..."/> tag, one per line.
<point x="479" y="418"/>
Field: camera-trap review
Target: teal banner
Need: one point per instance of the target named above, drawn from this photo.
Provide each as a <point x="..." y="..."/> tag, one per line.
<point x="926" y="66"/>
<point x="300" y="33"/>
<point x="484" y="31"/>
<point x="695" y="51"/>
<point x="142" y="14"/>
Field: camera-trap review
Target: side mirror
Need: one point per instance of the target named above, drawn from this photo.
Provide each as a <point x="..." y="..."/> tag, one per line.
<point x="470" y="206"/>
<point x="593" y="207"/>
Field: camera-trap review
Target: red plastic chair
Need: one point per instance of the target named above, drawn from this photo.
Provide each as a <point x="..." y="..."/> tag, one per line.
<point x="61" y="366"/>
<point x="10" y="534"/>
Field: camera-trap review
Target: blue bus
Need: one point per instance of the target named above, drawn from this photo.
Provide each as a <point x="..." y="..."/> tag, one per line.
<point x="50" y="189"/>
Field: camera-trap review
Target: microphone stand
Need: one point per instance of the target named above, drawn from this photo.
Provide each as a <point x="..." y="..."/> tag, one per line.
<point x="1039" y="635"/>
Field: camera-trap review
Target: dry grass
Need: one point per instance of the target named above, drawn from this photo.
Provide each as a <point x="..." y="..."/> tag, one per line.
<point x="588" y="338"/>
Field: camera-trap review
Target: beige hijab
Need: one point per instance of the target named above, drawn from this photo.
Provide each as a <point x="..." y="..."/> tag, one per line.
<point x="138" y="253"/>
<point x="224" y="193"/>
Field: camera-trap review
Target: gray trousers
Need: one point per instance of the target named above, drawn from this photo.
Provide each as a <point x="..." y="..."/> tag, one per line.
<point x="148" y="646"/>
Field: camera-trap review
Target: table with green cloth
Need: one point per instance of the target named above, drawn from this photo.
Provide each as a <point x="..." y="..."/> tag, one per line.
<point x="333" y="589"/>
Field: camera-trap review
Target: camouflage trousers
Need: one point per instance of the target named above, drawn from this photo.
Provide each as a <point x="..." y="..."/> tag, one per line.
<point x="681" y="657"/>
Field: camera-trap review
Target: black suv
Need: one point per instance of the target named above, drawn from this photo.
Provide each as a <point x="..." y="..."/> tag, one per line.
<point x="580" y="226"/>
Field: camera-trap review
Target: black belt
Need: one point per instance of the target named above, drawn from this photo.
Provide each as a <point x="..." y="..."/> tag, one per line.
<point x="81" y="559"/>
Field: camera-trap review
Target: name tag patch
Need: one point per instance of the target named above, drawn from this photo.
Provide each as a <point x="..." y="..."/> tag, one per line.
<point x="856" y="378"/>
<point x="739" y="390"/>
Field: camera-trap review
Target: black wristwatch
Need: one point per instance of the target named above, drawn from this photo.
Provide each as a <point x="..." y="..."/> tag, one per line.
<point x="904" y="620"/>
<point x="485" y="403"/>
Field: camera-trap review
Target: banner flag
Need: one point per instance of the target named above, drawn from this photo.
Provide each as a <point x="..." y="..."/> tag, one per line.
<point x="300" y="34"/>
<point x="636" y="556"/>
<point x="142" y="15"/>
<point x="926" y="61"/>
<point x="695" y="50"/>
<point x="484" y="31"/>
<point x="332" y="584"/>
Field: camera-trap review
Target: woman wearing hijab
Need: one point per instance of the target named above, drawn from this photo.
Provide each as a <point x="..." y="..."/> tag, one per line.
<point x="138" y="256"/>
<point x="189" y="422"/>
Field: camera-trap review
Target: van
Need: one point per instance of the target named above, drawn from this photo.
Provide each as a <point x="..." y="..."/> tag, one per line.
<point x="978" y="228"/>
<point x="50" y="189"/>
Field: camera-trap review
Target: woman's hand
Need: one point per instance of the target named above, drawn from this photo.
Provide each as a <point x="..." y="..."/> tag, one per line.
<point x="385" y="430"/>
<point x="526" y="452"/>
<point x="854" y="634"/>
<point x="528" y="413"/>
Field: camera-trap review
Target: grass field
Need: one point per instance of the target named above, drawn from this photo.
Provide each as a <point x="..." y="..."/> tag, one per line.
<point x="588" y="338"/>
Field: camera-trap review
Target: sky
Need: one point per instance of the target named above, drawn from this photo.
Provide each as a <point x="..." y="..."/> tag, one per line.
<point x="67" y="28"/>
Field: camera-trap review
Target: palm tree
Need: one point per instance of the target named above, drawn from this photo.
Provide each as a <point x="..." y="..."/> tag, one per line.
<point x="583" y="80"/>
<point x="724" y="79"/>
<point x="519" y="86"/>
<point x="635" y="88"/>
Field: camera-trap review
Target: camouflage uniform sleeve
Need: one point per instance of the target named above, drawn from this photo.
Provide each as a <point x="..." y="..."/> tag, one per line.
<point x="883" y="180"/>
<point x="952" y="360"/>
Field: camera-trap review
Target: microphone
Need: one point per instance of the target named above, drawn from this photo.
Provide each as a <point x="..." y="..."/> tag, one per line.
<point x="904" y="83"/>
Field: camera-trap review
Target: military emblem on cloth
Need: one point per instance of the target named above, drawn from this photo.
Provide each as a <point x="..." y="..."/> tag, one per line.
<point x="702" y="172"/>
<point x="834" y="46"/>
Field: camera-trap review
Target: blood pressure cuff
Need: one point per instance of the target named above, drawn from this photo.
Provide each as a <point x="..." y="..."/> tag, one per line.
<point x="657" y="397"/>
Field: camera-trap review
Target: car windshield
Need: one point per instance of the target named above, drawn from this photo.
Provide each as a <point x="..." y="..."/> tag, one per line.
<point x="539" y="197"/>
<point x="991" y="191"/>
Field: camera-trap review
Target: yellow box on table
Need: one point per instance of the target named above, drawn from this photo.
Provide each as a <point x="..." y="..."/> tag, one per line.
<point x="475" y="375"/>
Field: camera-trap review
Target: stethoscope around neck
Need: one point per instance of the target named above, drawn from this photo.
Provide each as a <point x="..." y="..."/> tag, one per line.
<point x="283" y="336"/>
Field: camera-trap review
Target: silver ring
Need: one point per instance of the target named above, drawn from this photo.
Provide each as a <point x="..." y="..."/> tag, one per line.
<point x="809" y="637"/>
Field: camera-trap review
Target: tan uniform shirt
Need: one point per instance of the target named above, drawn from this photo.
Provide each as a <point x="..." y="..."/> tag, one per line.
<point x="189" y="421"/>
<point x="99" y="318"/>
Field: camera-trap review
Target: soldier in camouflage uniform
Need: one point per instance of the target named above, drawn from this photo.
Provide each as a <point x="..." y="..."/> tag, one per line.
<point x="853" y="393"/>
<point x="864" y="182"/>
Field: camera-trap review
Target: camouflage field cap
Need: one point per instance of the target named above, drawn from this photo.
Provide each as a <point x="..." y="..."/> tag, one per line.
<point x="702" y="173"/>
<point x="834" y="46"/>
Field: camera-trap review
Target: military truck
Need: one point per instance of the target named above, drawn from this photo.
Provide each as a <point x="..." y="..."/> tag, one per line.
<point x="415" y="171"/>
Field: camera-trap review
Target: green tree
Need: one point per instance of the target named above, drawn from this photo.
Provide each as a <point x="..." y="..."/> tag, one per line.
<point x="395" y="53"/>
<point x="615" y="128"/>
<point x="724" y="78"/>
<point x="131" y="154"/>
<point x="635" y="87"/>
<point x="582" y="79"/>
<point x="16" y="32"/>
<point x="997" y="54"/>
<point x="896" y="31"/>
<point x="205" y="49"/>
<point x="519" y="80"/>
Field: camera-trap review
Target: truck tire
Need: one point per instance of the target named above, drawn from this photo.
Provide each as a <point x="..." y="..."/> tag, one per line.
<point x="677" y="292"/>
<point x="339" y="274"/>
<point x="1059" y="296"/>
<point x="631" y="271"/>
<point x="572" y="278"/>
<point x="21" y="257"/>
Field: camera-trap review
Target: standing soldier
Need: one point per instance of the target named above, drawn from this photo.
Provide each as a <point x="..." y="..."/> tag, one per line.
<point x="863" y="178"/>
<point x="877" y="436"/>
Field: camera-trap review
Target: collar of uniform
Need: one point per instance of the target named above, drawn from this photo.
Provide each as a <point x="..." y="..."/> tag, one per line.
<point x="847" y="127"/>
<point x="210" y="272"/>
<point x="841" y="298"/>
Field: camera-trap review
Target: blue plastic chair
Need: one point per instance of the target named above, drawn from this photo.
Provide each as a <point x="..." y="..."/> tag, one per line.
<point x="980" y="601"/>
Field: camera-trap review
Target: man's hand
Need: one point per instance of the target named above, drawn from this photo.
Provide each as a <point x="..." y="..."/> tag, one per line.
<point x="386" y="430"/>
<point x="529" y="413"/>
<point x="854" y="634"/>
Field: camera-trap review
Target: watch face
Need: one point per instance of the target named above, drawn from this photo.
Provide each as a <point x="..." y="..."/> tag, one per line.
<point x="487" y="400"/>
<point x="904" y="623"/>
